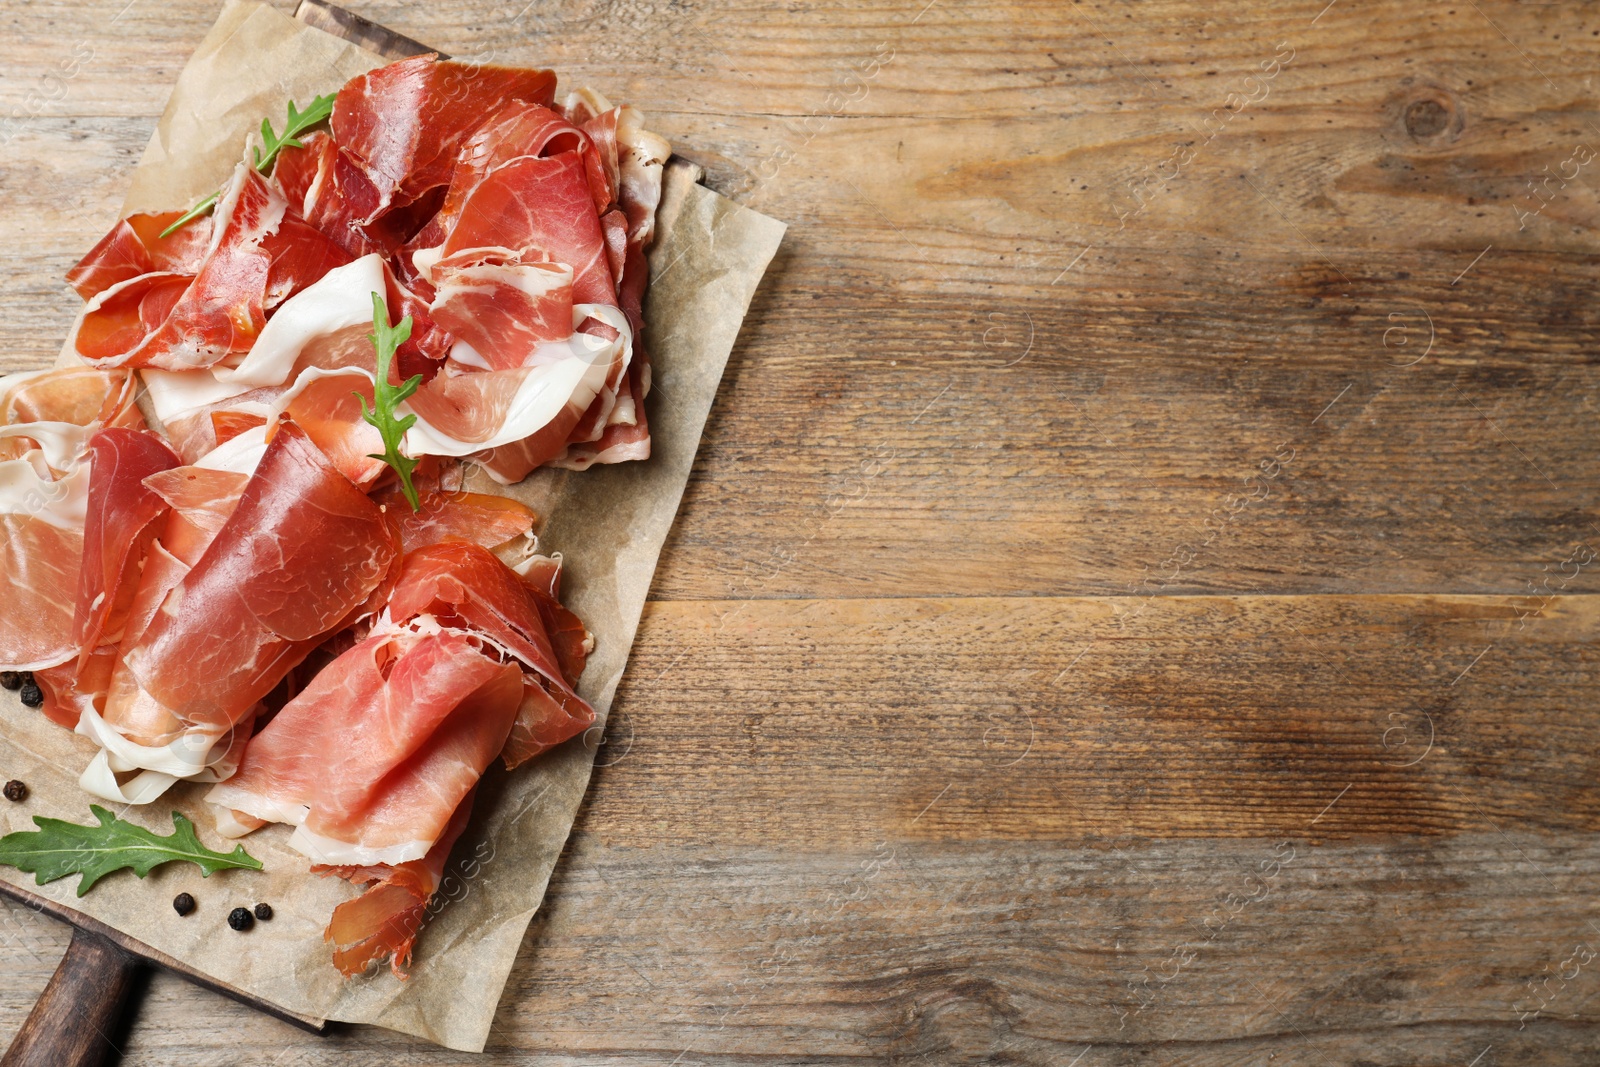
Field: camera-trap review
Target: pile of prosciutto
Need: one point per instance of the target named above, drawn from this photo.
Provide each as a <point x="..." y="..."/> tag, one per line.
<point x="205" y="562"/>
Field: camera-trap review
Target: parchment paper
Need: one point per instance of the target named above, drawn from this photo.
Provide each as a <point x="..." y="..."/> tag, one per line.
<point x="608" y="522"/>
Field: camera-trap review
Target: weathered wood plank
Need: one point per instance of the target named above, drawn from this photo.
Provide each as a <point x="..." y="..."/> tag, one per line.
<point x="1054" y="719"/>
<point x="1022" y="953"/>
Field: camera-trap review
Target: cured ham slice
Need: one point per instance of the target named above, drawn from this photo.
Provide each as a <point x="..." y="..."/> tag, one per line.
<point x="542" y="210"/>
<point x="301" y="172"/>
<point x="462" y="584"/>
<point x="511" y="421"/>
<point x="303" y="554"/>
<point x="482" y="519"/>
<point x="121" y="520"/>
<point x="119" y="526"/>
<point x="183" y="315"/>
<point x="399" y="129"/>
<point x="177" y="321"/>
<point x="383" y="922"/>
<point x="49" y="419"/>
<point x="135" y="247"/>
<point x="78" y="395"/>
<point x="370" y="761"/>
<point x="504" y="311"/>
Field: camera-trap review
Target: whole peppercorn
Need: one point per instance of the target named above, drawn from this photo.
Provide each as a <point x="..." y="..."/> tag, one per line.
<point x="32" y="695"/>
<point x="16" y="791"/>
<point x="13" y="680"/>
<point x="264" y="912"/>
<point x="241" y="919"/>
<point x="183" y="904"/>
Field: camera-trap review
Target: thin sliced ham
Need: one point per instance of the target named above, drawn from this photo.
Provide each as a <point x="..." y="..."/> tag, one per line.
<point x="481" y="518"/>
<point x="373" y="757"/>
<point x="405" y="123"/>
<point x="370" y="761"/>
<point x="120" y="524"/>
<point x="49" y="418"/>
<point x="464" y="585"/>
<point x="511" y="421"/>
<point x="135" y="247"/>
<point x="183" y="315"/>
<point x="178" y="321"/>
<point x="383" y="922"/>
<point x="302" y="555"/>
<point x="122" y="518"/>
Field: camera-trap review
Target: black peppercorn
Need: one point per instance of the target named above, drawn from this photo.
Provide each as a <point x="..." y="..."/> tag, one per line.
<point x="183" y="903"/>
<point x="263" y="912"/>
<point x="12" y="680"/>
<point x="16" y="791"/>
<point x="32" y="695"/>
<point x="241" y="919"/>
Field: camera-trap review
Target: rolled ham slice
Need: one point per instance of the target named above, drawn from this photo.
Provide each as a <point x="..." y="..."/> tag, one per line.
<point x="46" y="422"/>
<point x="303" y="554"/>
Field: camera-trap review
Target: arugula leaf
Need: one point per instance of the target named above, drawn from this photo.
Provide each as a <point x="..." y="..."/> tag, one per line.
<point x="299" y="122"/>
<point x="386" y="398"/>
<point x="193" y="213"/>
<point x="60" y="848"/>
<point x="319" y="111"/>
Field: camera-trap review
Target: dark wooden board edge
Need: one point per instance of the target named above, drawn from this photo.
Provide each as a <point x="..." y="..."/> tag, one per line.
<point x="331" y="18"/>
<point x="138" y="948"/>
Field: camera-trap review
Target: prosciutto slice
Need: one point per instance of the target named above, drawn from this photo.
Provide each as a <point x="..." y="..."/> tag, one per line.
<point x="383" y="922"/>
<point x="46" y="422"/>
<point x="303" y="554"/>
<point x="398" y="130"/>
<point x="184" y="314"/>
<point x="135" y="247"/>
<point x="463" y="584"/>
<point x="119" y="526"/>
<point x="121" y="520"/>
<point x="481" y="518"/>
<point x="373" y="757"/>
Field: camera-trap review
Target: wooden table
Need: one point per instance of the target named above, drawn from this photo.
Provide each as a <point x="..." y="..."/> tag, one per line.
<point x="1135" y="603"/>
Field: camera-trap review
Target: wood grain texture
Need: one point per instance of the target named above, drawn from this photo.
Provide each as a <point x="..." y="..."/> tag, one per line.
<point x="77" y="1019"/>
<point x="1162" y="423"/>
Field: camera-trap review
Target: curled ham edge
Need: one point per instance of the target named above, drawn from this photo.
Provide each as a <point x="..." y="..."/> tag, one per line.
<point x="230" y="802"/>
<point x="48" y="482"/>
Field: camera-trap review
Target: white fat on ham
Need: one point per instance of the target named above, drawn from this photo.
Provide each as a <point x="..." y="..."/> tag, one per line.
<point x="566" y="372"/>
<point x="642" y="156"/>
<point x="131" y="773"/>
<point x="339" y="301"/>
<point x="229" y="803"/>
<point x="46" y="481"/>
<point x="467" y="356"/>
<point x="240" y="454"/>
<point x="175" y="394"/>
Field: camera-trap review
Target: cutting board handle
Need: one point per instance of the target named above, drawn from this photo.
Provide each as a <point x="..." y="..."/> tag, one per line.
<point x="83" y="1003"/>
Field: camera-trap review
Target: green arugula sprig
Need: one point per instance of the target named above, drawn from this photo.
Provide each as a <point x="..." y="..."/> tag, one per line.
<point x="299" y="122"/>
<point x="60" y="848"/>
<point x="386" y="398"/>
